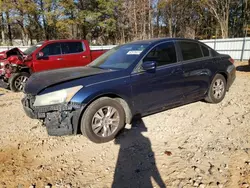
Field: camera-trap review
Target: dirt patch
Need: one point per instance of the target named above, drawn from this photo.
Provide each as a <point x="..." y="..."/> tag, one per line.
<point x="197" y="145"/>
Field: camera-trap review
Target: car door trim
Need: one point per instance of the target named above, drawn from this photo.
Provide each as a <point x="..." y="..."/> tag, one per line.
<point x="198" y="59"/>
<point x="192" y="60"/>
<point x="158" y="68"/>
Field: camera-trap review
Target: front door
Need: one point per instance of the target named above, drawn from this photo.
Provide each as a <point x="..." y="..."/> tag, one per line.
<point x="155" y="90"/>
<point x="52" y="58"/>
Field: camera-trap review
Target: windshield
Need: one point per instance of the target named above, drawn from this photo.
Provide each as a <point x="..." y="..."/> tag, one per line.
<point x="31" y="49"/>
<point x="120" y="57"/>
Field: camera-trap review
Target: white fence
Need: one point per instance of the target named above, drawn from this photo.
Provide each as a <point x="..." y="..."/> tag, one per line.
<point x="237" y="48"/>
<point x="108" y="47"/>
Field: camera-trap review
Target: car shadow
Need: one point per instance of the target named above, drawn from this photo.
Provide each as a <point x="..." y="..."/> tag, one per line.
<point x="136" y="161"/>
<point x="243" y="68"/>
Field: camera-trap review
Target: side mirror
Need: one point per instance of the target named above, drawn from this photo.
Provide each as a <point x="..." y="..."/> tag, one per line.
<point x="149" y="65"/>
<point x="40" y="55"/>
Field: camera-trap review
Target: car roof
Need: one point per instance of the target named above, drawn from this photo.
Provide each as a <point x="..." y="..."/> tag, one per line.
<point x="149" y="41"/>
<point x="64" y="40"/>
<point x="157" y="40"/>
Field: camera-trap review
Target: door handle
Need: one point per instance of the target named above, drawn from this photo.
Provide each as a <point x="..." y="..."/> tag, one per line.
<point x="84" y="56"/>
<point x="59" y="59"/>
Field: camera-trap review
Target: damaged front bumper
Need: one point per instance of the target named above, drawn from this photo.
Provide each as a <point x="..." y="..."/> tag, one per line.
<point x="60" y="119"/>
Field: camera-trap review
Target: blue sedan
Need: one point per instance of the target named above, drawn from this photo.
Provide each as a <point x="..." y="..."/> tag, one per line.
<point x="138" y="78"/>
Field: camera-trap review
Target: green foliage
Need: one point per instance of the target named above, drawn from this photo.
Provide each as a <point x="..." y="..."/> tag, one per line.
<point x="118" y="21"/>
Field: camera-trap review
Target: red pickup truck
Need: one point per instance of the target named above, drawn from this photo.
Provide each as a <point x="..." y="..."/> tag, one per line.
<point x="16" y="66"/>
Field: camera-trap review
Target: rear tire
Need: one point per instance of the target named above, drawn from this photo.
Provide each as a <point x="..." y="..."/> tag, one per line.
<point x="17" y="81"/>
<point x="102" y="120"/>
<point x="217" y="90"/>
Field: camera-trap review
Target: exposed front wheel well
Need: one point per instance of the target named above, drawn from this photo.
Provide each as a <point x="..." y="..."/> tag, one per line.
<point x="27" y="70"/>
<point x="128" y="113"/>
<point x="102" y="120"/>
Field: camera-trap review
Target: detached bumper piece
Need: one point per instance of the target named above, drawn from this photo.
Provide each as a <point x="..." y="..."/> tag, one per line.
<point x="3" y="84"/>
<point x="231" y="70"/>
<point x="59" y="119"/>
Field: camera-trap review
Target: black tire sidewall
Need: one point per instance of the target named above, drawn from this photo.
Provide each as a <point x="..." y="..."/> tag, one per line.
<point x="86" y="120"/>
<point x="13" y="78"/>
<point x="211" y="95"/>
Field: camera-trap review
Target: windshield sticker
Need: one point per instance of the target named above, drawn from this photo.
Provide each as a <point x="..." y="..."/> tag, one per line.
<point x="134" y="52"/>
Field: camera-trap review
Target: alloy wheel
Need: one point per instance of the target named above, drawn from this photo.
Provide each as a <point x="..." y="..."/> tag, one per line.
<point x="105" y="121"/>
<point x="20" y="82"/>
<point x="218" y="88"/>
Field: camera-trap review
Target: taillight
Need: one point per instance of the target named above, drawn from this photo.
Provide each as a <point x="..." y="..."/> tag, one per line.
<point x="231" y="60"/>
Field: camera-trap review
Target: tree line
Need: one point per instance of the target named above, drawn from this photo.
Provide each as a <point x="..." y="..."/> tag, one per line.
<point x="120" y="21"/>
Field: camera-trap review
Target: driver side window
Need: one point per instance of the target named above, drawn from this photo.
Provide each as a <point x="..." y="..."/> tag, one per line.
<point x="51" y="49"/>
<point x="162" y="54"/>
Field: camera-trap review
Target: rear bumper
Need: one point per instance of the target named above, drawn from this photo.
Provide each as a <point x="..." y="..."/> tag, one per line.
<point x="231" y="72"/>
<point x="62" y="119"/>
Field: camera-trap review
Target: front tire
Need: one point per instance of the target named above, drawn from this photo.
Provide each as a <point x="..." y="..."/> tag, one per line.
<point x="17" y="81"/>
<point x="217" y="90"/>
<point x="102" y="120"/>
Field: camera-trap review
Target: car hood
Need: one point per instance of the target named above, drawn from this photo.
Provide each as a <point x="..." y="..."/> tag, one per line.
<point x="7" y="53"/>
<point x="41" y="80"/>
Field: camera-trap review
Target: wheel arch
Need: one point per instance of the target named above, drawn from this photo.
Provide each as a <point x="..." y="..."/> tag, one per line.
<point x="118" y="98"/>
<point x="26" y="69"/>
<point x="225" y="75"/>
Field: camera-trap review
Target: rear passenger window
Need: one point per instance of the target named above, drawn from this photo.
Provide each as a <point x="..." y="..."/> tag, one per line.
<point x="163" y="54"/>
<point x="205" y="51"/>
<point x="190" y="50"/>
<point x="72" y="47"/>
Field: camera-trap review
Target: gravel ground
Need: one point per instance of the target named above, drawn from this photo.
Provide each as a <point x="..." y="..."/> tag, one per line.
<point x="197" y="145"/>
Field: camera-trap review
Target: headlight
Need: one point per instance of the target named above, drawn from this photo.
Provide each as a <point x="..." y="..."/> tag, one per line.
<point x="2" y="64"/>
<point x="56" y="97"/>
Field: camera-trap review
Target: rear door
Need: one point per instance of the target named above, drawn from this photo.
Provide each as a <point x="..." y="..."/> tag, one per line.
<point x="162" y="88"/>
<point x="75" y="54"/>
<point x="196" y="73"/>
<point x="52" y="58"/>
